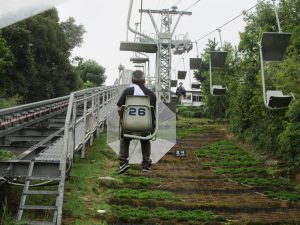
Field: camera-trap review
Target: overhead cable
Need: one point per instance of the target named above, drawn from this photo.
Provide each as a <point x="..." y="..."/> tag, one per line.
<point x="177" y="2"/>
<point x="225" y="24"/>
<point x="191" y="6"/>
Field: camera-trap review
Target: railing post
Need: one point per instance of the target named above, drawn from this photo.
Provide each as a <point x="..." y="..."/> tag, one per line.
<point x="98" y="112"/>
<point x="92" y="119"/>
<point x="84" y="121"/>
<point x="74" y="128"/>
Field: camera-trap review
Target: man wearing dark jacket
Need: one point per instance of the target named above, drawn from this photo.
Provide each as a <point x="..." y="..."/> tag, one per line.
<point x="180" y="91"/>
<point x="137" y="88"/>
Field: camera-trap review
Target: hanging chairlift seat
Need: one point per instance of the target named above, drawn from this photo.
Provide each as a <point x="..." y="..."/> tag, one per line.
<point x="139" y="60"/>
<point x="273" y="47"/>
<point x="181" y="75"/>
<point x="195" y="63"/>
<point x="137" y="116"/>
<point x="138" y="47"/>
<point x="218" y="59"/>
<point x="174" y="83"/>
<point x="195" y="85"/>
<point x="218" y="90"/>
<point x="276" y="99"/>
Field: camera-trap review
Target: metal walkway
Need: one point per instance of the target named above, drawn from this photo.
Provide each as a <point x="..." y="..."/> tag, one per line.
<point x="54" y="129"/>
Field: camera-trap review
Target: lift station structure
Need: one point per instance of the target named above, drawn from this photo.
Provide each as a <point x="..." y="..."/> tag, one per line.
<point x="162" y="46"/>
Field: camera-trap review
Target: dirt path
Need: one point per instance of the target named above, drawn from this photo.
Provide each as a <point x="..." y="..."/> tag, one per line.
<point x="201" y="188"/>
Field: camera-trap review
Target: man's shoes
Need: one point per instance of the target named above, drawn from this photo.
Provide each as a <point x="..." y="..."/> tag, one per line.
<point x="122" y="167"/>
<point x="146" y="168"/>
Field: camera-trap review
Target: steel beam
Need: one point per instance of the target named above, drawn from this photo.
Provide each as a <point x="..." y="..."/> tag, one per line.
<point x="18" y="168"/>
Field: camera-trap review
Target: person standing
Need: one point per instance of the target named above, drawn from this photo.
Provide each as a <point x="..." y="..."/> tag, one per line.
<point x="137" y="88"/>
<point x="180" y="91"/>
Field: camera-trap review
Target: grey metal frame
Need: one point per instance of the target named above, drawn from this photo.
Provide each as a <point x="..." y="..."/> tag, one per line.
<point x="164" y="46"/>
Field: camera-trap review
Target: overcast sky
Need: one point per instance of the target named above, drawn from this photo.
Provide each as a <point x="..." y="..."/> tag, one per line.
<point x="105" y="23"/>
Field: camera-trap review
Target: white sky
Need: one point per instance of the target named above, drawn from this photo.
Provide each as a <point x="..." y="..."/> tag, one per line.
<point x="105" y="23"/>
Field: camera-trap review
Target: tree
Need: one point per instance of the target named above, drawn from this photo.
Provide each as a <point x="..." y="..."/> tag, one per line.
<point x="91" y="71"/>
<point x="42" y="69"/>
<point x="73" y="32"/>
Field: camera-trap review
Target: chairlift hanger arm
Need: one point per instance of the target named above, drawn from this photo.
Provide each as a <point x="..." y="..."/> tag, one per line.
<point x="277" y="17"/>
<point x="131" y="29"/>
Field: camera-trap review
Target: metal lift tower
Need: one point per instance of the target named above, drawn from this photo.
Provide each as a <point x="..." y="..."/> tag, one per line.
<point x="165" y="45"/>
<point x="162" y="46"/>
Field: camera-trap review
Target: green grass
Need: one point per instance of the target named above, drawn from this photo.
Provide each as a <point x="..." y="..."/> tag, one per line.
<point x="142" y="181"/>
<point x="239" y="170"/>
<point x="6" y="155"/>
<point x="6" y="216"/>
<point x="129" y="213"/>
<point x="284" y="195"/>
<point x="83" y="196"/>
<point x="189" y="126"/>
<point x="231" y="163"/>
<point x="229" y="159"/>
<point x="144" y="194"/>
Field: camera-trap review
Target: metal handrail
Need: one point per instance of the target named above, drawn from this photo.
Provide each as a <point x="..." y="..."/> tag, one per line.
<point x="108" y="94"/>
<point x="19" y="108"/>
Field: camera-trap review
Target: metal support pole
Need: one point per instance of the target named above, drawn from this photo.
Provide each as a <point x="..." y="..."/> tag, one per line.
<point x="220" y="36"/>
<point x="262" y="74"/>
<point x="197" y="49"/>
<point x="277" y="17"/>
<point x="131" y="29"/>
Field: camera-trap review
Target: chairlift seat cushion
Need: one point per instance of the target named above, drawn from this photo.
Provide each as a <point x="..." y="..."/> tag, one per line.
<point x="195" y="63"/>
<point x="274" y="45"/>
<point x="218" y="90"/>
<point x="137" y="117"/>
<point x="276" y="99"/>
<point x="173" y="83"/>
<point x="218" y="59"/>
<point x="138" y="47"/>
<point x="181" y="75"/>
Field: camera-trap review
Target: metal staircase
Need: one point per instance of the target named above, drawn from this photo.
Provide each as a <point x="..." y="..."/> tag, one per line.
<point x="28" y="192"/>
<point x="50" y="160"/>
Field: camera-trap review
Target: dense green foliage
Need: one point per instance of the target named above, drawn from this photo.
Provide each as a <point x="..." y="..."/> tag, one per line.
<point x="6" y="155"/>
<point x="35" y="60"/>
<point x="41" y="67"/>
<point x="91" y="72"/>
<point x="276" y="131"/>
<point x="73" y="32"/>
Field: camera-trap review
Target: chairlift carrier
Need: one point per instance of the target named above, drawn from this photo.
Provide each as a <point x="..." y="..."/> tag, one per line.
<point x="174" y="83"/>
<point x="272" y="48"/>
<point x="137" y="118"/>
<point x="217" y="60"/>
<point x="195" y="63"/>
<point x="181" y="74"/>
